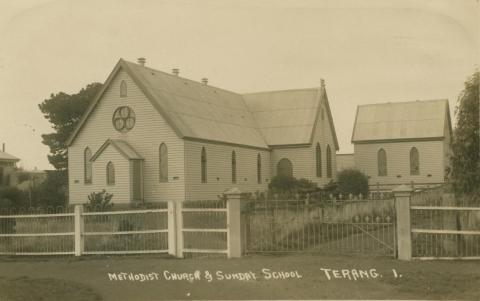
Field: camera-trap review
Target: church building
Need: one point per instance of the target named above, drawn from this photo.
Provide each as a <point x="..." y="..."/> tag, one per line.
<point x="154" y="136"/>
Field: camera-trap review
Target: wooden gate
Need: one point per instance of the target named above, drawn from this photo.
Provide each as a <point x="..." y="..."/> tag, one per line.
<point x="351" y="226"/>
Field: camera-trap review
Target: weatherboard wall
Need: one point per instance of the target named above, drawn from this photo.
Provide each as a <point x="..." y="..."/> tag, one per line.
<point x="219" y="169"/>
<point x="149" y="132"/>
<point x="431" y="156"/>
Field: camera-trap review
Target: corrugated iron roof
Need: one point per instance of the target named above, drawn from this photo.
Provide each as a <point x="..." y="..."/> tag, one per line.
<point x="401" y="120"/>
<point x="285" y="117"/>
<point x="125" y="149"/>
<point x="7" y="157"/>
<point x="200" y="111"/>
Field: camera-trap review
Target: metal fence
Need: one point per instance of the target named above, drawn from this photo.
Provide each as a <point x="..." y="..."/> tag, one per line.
<point x="324" y="226"/>
<point x="204" y="227"/>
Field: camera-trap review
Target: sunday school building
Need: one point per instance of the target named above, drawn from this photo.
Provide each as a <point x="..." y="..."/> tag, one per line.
<point x="402" y="143"/>
<point x="154" y="136"/>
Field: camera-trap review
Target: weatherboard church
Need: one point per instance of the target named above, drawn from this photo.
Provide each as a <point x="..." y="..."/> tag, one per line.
<point x="154" y="136"/>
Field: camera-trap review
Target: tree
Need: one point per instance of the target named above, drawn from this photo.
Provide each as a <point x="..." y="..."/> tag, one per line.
<point x="64" y="111"/>
<point x="465" y="159"/>
<point x="352" y="181"/>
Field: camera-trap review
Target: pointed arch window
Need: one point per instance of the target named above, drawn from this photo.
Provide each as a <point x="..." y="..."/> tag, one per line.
<point x="123" y="89"/>
<point x="87" y="166"/>
<point x="203" y="164"/>
<point x="414" y="161"/>
<point x="234" y="167"/>
<point x="285" y="168"/>
<point x="382" y="162"/>
<point x="110" y="174"/>
<point x="259" y="169"/>
<point x="329" y="162"/>
<point x="318" y="158"/>
<point x="163" y="162"/>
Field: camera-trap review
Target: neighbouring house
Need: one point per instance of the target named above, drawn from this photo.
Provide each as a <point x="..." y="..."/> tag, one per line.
<point x="345" y="161"/>
<point x="404" y="142"/>
<point x="8" y="165"/>
<point x="154" y="136"/>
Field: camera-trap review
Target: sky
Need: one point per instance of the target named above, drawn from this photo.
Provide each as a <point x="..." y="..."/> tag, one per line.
<point x="367" y="52"/>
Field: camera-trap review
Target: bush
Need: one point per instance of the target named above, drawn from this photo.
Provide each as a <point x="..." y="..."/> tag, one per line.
<point x="283" y="184"/>
<point x="100" y="201"/>
<point x="12" y="197"/>
<point x="352" y="181"/>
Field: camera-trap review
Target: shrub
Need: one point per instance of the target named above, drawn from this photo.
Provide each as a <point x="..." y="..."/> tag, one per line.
<point x="283" y="184"/>
<point x="12" y="197"/>
<point x="352" y="181"/>
<point x="100" y="201"/>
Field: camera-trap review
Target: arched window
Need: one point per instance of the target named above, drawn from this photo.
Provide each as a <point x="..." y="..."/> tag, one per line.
<point x="110" y="174"/>
<point x="329" y="162"/>
<point x="284" y="168"/>
<point x="204" y="165"/>
<point x="318" y="158"/>
<point x="414" y="161"/>
<point x="123" y="89"/>
<point x="87" y="166"/>
<point x="234" y="167"/>
<point x="382" y="162"/>
<point x="163" y="162"/>
<point x="259" y="169"/>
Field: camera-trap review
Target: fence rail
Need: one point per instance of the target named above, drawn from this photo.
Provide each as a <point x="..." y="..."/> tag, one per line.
<point x="443" y="230"/>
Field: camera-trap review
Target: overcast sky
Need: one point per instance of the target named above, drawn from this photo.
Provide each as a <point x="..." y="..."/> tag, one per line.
<point x="367" y="51"/>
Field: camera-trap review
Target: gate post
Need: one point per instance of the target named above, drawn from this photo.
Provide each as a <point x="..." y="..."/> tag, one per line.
<point x="78" y="226"/>
<point x="172" y="229"/>
<point x="234" y="237"/>
<point x="402" y="195"/>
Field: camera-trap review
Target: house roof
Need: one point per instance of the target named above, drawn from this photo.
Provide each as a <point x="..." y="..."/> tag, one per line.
<point x="7" y="157"/>
<point x="402" y="120"/>
<point x="199" y="111"/>
<point x="125" y="149"/>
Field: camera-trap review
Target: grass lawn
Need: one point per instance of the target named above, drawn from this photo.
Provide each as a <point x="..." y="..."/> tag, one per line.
<point x="87" y="278"/>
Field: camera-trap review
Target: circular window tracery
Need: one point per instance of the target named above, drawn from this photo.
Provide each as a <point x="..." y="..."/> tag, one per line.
<point x="123" y="119"/>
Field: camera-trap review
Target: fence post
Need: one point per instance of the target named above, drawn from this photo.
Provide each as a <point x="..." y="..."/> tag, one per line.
<point x="402" y="195"/>
<point x="172" y="229"/>
<point x="178" y="229"/>
<point x="234" y="237"/>
<point x="78" y="224"/>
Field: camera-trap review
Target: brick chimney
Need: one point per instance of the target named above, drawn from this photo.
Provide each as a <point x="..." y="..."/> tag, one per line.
<point x="175" y="71"/>
<point x="3" y="147"/>
<point x="205" y="81"/>
<point x="141" y="61"/>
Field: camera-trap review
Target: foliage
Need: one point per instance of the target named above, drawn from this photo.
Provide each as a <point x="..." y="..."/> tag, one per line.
<point x="100" y="201"/>
<point x="12" y="197"/>
<point x="53" y="191"/>
<point x="22" y="176"/>
<point x="64" y="111"/>
<point x="283" y="183"/>
<point x="465" y="159"/>
<point x="352" y="181"/>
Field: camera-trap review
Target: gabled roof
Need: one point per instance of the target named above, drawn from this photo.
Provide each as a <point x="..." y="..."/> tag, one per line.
<point x="199" y="111"/>
<point x="7" y="157"/>
<point x="402" y="121"/>
<point x="125" y="149"/>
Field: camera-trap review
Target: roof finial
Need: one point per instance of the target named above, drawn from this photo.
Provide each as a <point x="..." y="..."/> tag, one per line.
<point x="322" y="83"/>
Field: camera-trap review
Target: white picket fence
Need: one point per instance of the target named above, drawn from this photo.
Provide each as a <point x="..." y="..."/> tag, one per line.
<point x="176" y="229"/>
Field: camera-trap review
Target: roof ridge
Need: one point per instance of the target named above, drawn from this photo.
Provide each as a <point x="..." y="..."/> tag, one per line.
<point x="182" y="78"/>
<point x="405" y="102"/>
<point x="283" y="90"/>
